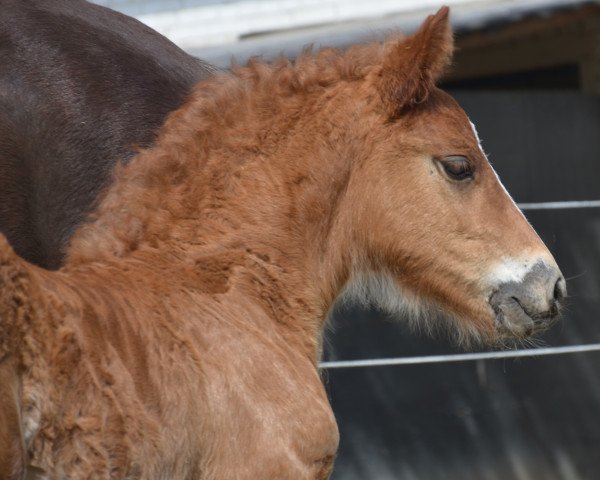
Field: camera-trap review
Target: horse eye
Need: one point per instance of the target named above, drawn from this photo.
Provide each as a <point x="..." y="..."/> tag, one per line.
<point x="457" y="167"/>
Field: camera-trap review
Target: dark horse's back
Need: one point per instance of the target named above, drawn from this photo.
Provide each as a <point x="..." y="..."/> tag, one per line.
<point x="81" y="87"/>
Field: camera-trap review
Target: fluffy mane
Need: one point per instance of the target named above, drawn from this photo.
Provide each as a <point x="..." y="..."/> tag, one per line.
<point x="232" y="109"/>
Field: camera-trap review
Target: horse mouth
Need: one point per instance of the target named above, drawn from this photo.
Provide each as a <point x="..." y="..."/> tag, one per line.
<point x="513" y="320"/>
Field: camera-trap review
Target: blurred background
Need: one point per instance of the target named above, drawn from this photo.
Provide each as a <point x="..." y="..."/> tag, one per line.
<point x="528" y="74"/>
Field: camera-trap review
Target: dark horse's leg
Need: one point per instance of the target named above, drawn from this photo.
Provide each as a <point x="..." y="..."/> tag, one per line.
<point x="16" y="194"/>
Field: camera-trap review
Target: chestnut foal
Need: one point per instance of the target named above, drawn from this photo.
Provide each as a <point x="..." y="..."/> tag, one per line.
<point x="182" y="337"/>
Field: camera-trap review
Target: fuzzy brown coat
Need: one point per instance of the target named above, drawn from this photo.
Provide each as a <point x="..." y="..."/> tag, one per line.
<point x="181" y="339"/>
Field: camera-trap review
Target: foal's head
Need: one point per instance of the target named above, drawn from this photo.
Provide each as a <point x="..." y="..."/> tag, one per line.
<point x="435" y="230"/>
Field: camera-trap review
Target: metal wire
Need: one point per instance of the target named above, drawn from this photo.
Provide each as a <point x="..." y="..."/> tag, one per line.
<point x="560" y="205"/>
<point x="461" y="357"/>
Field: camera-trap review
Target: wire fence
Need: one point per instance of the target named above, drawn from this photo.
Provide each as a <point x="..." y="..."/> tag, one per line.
<point x="460" y="357"/>
<point x="560" y="205"/>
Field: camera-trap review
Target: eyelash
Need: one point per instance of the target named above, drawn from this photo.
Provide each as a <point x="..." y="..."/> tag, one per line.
<point x="457" y="167"/>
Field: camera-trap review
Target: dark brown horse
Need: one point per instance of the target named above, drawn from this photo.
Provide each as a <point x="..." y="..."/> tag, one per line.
<point x="181" y="339"/>
<point x="81" y="87"/>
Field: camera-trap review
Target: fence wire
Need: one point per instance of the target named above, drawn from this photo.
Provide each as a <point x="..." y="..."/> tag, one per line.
<point x="459" y="357"/>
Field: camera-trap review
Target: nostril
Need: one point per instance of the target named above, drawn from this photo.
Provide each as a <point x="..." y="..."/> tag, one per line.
<point x="558" y="295"/>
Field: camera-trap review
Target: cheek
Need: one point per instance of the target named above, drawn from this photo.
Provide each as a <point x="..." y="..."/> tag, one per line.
<point x="411" y="200"/>
<point x="408" y="207"/>
<point x="412" y="184"/>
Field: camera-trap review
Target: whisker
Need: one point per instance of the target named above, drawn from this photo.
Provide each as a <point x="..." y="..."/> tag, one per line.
<point x="576" y="276"/>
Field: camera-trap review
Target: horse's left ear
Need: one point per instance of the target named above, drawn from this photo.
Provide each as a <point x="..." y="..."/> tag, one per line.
<point x="412" y="66"/>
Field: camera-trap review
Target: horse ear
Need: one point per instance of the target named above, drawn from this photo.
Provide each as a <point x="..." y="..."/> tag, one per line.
<point x="412" y="66"/>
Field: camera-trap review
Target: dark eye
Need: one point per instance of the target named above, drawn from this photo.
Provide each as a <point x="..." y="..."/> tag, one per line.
<point x="457" y="167"/>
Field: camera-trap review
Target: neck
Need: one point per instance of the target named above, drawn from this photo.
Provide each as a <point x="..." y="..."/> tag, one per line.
<point x="245" y="189"/>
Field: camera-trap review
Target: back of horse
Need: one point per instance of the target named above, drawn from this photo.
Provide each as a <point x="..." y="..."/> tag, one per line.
<point x="81" y="87"/>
